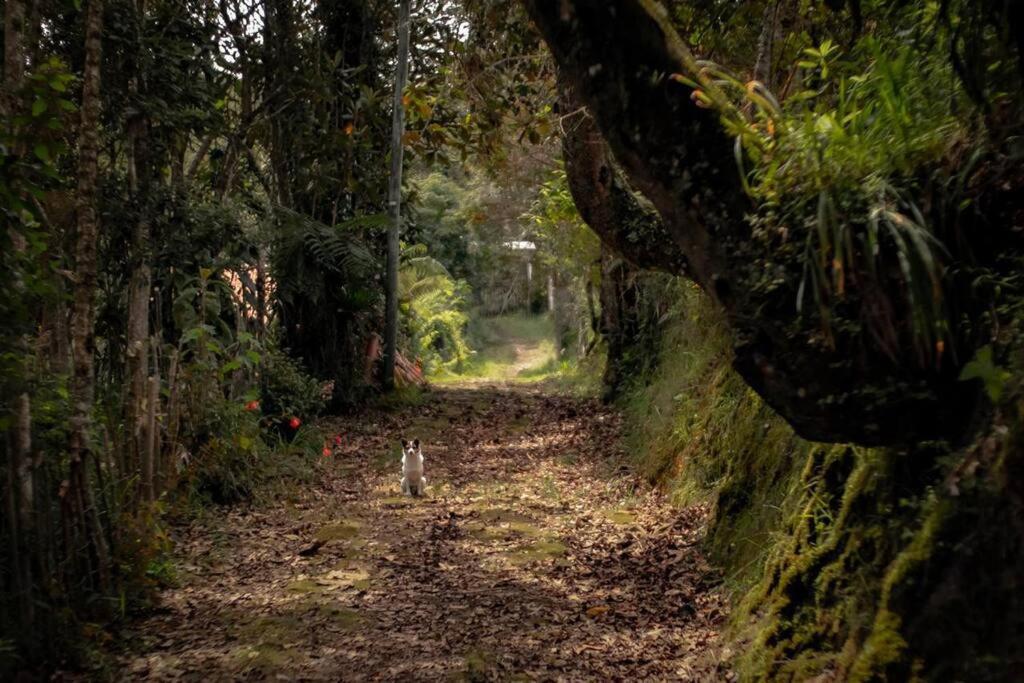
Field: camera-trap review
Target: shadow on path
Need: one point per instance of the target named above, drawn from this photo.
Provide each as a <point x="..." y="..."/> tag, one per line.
<point x="533" y="557"/>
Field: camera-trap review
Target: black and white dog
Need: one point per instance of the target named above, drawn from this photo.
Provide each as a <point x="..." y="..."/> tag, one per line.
<point x="413" y="481"/>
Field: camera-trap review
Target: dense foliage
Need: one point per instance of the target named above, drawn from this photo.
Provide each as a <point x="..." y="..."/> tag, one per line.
<point x="194" y="202"/>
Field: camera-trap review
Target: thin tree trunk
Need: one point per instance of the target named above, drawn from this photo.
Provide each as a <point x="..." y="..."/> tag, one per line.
<point x="261" y="295"/>
<point x="19" y="510"/>
<point x="197" y="160"/>
<point x="171" y="414"/>
<point x="84" y="516"/>
<point x="395" y="200"/>
<point x="23" y="432"/>
<point x="14" y="56"/>
<point x="149" y="455"/>
<point x="18" y="443"/>
<point x="137" y="360"/>
<point x="765" y="45"/>
<point x="277" y="38"/>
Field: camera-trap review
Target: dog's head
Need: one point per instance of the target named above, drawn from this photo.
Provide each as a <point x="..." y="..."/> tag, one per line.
<point x="410" y="447"/>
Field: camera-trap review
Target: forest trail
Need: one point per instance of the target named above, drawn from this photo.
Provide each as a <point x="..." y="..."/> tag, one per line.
<point x="533" y="557"/>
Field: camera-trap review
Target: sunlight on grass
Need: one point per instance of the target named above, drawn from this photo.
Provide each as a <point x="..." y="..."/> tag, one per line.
<point x="513" y="348"/>
<point x="521" y="349"/>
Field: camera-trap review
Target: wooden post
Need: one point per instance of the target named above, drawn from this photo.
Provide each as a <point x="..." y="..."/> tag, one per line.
<point x="395" y="200"/>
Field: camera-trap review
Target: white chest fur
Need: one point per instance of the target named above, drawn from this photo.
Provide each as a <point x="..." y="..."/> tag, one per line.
<point x="413" y="481"/>
<point x="412" y="466"/>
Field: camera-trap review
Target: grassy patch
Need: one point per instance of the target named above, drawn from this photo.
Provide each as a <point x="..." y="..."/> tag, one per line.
<point x="511" y="348"/>
<point x="339" y="531"/>
<point x="623" y="517"/>
<point x="521" y="349"/>
<point x="536" y="552"/>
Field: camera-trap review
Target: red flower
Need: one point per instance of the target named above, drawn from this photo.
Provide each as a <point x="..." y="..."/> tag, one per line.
<point x="337" y="439"/>
<point x="326" y="451"/>
<point x="252" y="405"/>
<point x="294" y="423"/>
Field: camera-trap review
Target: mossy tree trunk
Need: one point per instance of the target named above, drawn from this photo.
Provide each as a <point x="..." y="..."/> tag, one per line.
<point x="87" y="544"/>
<point x="618" y="57"/>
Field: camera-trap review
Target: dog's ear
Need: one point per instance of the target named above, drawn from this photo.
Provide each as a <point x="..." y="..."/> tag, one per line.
<point x="405" y="443"/>
<point x="415" y="443"/>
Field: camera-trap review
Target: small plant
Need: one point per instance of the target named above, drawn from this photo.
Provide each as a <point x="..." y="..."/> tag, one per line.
<point x="832" y="169"/>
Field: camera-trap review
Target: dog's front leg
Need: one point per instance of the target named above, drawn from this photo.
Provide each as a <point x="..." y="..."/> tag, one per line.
<point x="405" y="486"/>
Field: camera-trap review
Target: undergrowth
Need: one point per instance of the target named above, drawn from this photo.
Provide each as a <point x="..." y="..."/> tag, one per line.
<point x="862" y="564"/>
<point x="702" y="434"/>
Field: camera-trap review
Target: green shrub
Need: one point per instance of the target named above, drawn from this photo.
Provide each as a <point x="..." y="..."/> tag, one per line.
<point x="286" y="390"/>
<point x="223" y="468"/>
<point x="433" y="306"/>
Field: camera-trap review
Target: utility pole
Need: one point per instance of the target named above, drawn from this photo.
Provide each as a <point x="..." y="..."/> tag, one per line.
<point x="395" y="200"/>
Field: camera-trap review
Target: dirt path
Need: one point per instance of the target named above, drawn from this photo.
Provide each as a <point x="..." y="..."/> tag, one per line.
<point x="531" y="558"/>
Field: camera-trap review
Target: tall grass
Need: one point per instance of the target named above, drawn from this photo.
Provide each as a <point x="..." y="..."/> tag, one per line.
<point x="699" y="432"/>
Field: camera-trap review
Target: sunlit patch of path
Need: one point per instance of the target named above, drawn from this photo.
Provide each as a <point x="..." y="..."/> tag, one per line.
<point x="535" y="556"/>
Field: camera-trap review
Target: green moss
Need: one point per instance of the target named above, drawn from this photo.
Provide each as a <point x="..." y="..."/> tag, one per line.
<point x="303" y="586"/>
<point x="885" y="645"/>
<point x="339" y="531"/>
<point x="857" y="563"/>
<point x="537" y="551"/>
<point x="624" y="517"/>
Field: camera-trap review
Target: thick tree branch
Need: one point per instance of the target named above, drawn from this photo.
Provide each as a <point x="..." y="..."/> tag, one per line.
<point x="618" y="56"/>
<point x="606" y="202"/>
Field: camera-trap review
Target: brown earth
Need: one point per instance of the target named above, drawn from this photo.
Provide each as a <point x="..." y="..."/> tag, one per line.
<point x="536" y="555"/>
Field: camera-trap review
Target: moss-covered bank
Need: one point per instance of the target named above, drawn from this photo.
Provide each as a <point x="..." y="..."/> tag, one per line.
<point x="852" y="563"/>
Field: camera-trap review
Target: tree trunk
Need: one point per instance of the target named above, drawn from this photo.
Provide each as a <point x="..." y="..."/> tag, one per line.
<point x="24" y="468"/>
<point x="20" y="510"/>
<point x="766" y="44"/>
<point x="395" y="199"/>
<point x="84" y="518"/>
<point x="605" y="201"/>
<point x="149" y="454"/>
<point x="594" y="317"/>
<point x="140" y="179"/>
<point x="137" y="352"/>
<point x="279" y="51"/>
<point x="619" y="57"/>
<point x="14" y="56"/>
<point x="621" y="322"/>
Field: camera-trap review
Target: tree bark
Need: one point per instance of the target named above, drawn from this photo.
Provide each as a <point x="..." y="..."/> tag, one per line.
<point x="151" y="450"/>
<point x="137" y="352"/>
<point x="618" y="57"/>
<point x="605" y="202"/>
<point x="142" y="179"/>
<point x="84" y="515"/>
<point x="14" y="56"/>
<point x="766" y="44"/>
<point x="23" y="466"/>
<point x="395" y="200"/>
<point x="20" y="510"/>
<point x="621" y="322"/>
